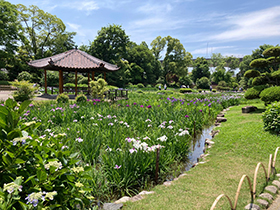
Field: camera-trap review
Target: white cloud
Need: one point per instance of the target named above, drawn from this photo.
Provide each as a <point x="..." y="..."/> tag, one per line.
<point x="84" y="5"/>
<point x="74" y="26"/>
<point x="155" y="8"/>
<point x="253" y="25"/>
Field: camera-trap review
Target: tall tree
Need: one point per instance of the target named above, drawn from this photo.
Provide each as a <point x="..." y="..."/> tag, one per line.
<point x="232" y="63"/>
<point x="9" y="35"/>
<point x="158" y="44"/>
<point x="176" y="59"/>
<point x="200" y="69"/>
<point x="40" y="29"/>
<point x="110" y="44"/>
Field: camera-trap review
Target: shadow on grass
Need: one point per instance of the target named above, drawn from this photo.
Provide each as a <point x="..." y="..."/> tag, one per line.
<point x="257" y="111"/>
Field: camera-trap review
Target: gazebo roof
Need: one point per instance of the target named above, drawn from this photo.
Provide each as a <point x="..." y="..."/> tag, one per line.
<point x="73" y="60"/>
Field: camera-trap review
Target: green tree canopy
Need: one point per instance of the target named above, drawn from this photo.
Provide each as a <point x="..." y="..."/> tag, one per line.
<point x="200" y="69"/>
<point x="110" y="44"/>
<point x="9" y="28"/>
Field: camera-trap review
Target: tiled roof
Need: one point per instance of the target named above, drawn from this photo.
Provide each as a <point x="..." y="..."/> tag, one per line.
<point x="73" y="60"/>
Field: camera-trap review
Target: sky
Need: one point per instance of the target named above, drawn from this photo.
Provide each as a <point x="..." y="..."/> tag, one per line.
<point x="229" y="27"/>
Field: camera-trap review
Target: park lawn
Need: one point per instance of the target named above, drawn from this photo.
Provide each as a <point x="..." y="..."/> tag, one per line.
<point x="239" y="146"/>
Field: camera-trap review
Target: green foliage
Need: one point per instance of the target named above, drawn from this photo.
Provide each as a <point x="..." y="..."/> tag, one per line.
<point x="5" y="83"/>
<point x="222" y="83"/>
<point x="199" y="90"/>
<point x="52" y="78"/>
<point x="223" y="88"/>
<point x="270" y="95"/>
<point x="252" y="73"/>
<point x="83" y="80"/>
<point x="24" y="91"/>
<point x="81" y="98"/>
<point x="31" y="165"/>
<point x="271" y="118"/>
<point x="98" y="88"/>
<point x="203" y="83"/>
<point x="24" y="76"/>
<point x="140" y="85"/>
<point x="259" y="63"/>
<point x="149" y="86"/>
<point x="186" y="80"/>
<point x="214" y="90"/>
<point x="252" y="93"/>
<point x="263" y="79"/>
<point x="9" y="28"/>
<point x="159" y="84"/>
<point x="62" y="98"/>
<point x="139" y="91"/>
<point x="200" y="69"/>
<point x="3" y="76"/>
<point x="185" y="90"/>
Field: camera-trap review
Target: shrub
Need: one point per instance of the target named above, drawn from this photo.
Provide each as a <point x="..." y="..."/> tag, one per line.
<point x="37" y="173"/>
<point x="3" y="76"/>
<point x="271" y="118"/>
<point x="159" y="84"/>
<point x="252" y="93"/>
<point x="24" y="76"/>
<point x="261" y="80"/>
<point x="25" y="90"/>
<point x="252" y="73"/>
<point x="98" y="88"/>
<point x="214" y="90"/>
<point x="62" y="98"/>
<point x="222" y="84"/>
<point x="223" y="88"/>
<point x="149" y="86"/>
<point x="203" y="83"/>
<point x="81" y="98"/>
<point x="139" y="91"/>
<point x="140" y="85"/>
<point x="270" y="95"/>
<point x="185" y="90"/>
<point x="52" y="79"/>
<point x="83" y="80"/>
<point x="5" y="83"/>
<point x="199" y="90"/>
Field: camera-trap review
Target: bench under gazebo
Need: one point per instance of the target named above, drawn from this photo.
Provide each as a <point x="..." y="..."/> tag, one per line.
<point x="73" y="61"/>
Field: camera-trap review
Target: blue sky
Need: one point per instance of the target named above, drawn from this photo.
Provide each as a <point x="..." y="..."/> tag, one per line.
<point x="229" y="27"/>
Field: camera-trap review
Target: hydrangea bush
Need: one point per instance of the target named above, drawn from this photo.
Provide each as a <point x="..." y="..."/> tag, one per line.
<point x="38" y="171"/>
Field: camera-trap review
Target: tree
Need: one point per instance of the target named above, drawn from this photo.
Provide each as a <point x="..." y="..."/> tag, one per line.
<point x="200" y="69"/>
<point x="110" y="44"/>
<point x="41" y="29"/>
<point x="203" y="83"/>
<point x="244" y="66"/>
<point x="232" y="62"/>
<point x="144" y="66"/>
<point x="158" y="44"/>
<point x="9" y="31"/>
<point x="274" y="56"/>
<point x="216" y="59"/>
<point x="176" y="59"/>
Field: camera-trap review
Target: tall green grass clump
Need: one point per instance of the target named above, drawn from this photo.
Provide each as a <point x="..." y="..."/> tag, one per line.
<point x="24" y="91"/>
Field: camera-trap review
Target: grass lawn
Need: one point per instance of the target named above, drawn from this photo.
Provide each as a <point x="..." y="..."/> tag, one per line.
<point x="241" y="144"/>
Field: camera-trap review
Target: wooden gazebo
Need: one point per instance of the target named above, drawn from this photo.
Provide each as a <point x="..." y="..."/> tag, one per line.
<point x="73" y="61"/>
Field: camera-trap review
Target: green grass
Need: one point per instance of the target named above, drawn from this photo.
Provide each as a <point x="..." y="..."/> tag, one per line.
<point x="241" y="144"/>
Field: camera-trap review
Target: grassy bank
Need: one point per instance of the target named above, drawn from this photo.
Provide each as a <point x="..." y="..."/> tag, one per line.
<point x="241" y="144"/>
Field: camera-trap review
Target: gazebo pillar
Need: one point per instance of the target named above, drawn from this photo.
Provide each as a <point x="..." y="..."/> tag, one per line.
<point x="105" y="76"/>
<point x="76" y="81"/>
<point x="92" y="76"/>
<point x="88" y="82"/>
<point x="60" y="81"/>
<point x="46" y="85"/>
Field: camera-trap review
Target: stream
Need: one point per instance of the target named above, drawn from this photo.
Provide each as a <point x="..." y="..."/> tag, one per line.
<point x="197" y="146"/>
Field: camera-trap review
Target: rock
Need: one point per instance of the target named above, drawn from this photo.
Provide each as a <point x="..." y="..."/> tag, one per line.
<point x="217" y="124"/>
<point x="267" y="196"/>
<point x="123" y="199"/>
<point x="209" y="146"/>
<point x="209" y="142"/>
<point x="248" y="109"/>
<point x="278" y="175"/>
<point x="277" y="183"/>
<point x="136" y="198"/>
<point x="201" y="156"/>
<point x="146" y="192"/>
<point x="227" y="109"/>
<point x="175" y="179"/>
<point x="112" y="206"/>
<point x="221" y="119"/>
<point x="214" y="133"/>
<point x="194" y="165"/>
<point x="221" y="115"/>
<point x="271" y="189"/>
<point x="252" y="206"/>
<point x="263" y="203"/>
<point x="182" y="175"/>
<point x="167" y="183"/>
